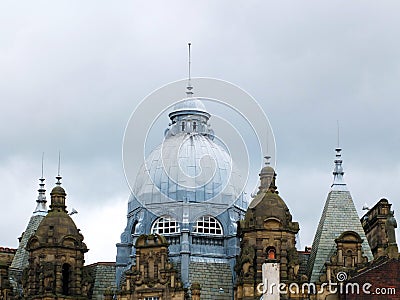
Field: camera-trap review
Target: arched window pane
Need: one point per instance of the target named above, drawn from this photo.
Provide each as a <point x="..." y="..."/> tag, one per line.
<point x="165" y="225"/>
<point x="208" y="225"/>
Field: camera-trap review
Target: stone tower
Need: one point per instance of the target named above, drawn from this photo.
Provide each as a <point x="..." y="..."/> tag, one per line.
<point x="379" y="225"/>
<point x="56" y="255"/>
<point x="267" y="234"/>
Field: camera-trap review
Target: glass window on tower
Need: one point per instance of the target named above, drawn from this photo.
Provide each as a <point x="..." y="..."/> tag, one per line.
<point x="165" y="225"/>
<point x="208" y="225"/>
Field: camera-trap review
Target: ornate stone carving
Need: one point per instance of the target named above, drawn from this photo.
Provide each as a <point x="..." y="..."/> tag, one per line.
<point x="152" y="273"/>
<point x="245" y="262"/>
<point x="47" y="271"/>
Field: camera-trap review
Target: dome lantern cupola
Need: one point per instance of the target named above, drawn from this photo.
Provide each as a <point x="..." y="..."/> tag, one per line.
<point x="189" y="116"/>
<point x="58" y="196"/>
<point x="267" y="203"/>
<point x="268" y="177"/>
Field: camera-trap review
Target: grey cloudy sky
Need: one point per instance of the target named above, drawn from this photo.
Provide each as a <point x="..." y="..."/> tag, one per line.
<point x="71" y="73"/>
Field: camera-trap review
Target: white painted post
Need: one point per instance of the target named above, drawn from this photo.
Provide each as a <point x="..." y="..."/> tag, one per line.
<point x="271" y="280"/>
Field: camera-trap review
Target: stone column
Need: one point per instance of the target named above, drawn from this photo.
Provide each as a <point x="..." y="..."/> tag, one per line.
<point x="328" y="273"/>
<point x="359" y="254"/>
<point x="77" y="288"/>
<point x="340" y="257"/>
<point x="58" y="279"/>
<point x="185" y="254"/>
<point x="185" y="246"/>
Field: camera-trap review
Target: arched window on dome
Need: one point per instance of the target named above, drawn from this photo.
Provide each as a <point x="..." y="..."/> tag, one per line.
<point x="165" y="225"/>
<point x="194" y="126"/>
<point x="208" y="225"/>
<point x="183" y="125"/>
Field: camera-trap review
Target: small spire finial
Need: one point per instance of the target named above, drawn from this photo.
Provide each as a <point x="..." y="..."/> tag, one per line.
<point x="267" y="160"/>
<point x="338" y="134"/>
<point x="189" y="87"/>
<point x="338" y="181"/>
<point x="58" y="177"/>
<point x="41" y="208"/>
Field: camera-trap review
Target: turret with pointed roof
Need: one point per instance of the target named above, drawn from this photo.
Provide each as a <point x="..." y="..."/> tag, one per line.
<point x="20" y="260"/>
<point x="267" y="234"/>
<point x="56" y="254"/>
<point x="339" y="216"/>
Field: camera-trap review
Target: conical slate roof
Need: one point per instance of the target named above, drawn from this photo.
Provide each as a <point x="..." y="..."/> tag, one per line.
<point x="339" y="215"/>
<point x="20" y="260"/>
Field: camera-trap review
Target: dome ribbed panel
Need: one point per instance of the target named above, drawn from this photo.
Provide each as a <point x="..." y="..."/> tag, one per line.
<point x="188" y="167"/>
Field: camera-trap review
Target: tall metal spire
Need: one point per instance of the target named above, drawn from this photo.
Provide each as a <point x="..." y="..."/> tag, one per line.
<point x="338" y="134"/>
<point x="58" y="177"/>
<point x="189" y="87"/>
<point x="41" y="208"/>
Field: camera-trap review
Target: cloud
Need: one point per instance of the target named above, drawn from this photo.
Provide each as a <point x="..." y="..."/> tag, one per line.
<point x="101" y="226"/>
<point x="72" y="73"/>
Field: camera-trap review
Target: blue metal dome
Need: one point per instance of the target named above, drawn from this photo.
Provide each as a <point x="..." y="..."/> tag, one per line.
<point x="188" y="167"/>
<point x="189" y="190"/>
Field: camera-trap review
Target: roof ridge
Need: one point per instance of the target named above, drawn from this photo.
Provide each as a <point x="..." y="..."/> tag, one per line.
<point x="384" y="262"/>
